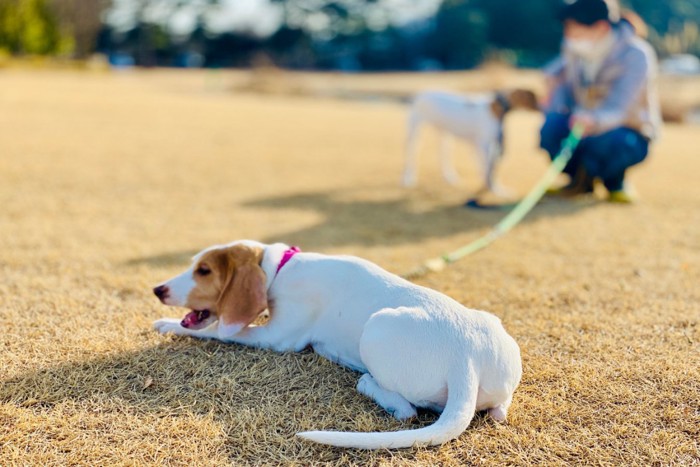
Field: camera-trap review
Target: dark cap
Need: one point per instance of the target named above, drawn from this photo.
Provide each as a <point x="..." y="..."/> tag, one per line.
<point x="587" y="12"/>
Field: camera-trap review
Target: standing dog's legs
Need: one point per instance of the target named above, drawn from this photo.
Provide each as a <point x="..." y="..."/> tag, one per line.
<point x="486" y="162"/>
<point x="496" y="154"/>
<point x="448" y="170"/>
<point x="412" y="128"/>
<point x="490" y="154"/>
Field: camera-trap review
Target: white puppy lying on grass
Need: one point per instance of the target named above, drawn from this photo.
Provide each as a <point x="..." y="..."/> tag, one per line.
<point x="415" y="347"/>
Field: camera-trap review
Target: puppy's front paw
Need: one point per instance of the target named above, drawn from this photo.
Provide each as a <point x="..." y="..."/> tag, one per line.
<point x="500" y="190"/>
<point x="166" y="325"/>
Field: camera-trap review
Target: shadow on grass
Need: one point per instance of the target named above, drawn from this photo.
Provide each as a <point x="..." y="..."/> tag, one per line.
<point x="390" y="222"/>
<point x="242" y="388"/>
<point x="346" y="221"/>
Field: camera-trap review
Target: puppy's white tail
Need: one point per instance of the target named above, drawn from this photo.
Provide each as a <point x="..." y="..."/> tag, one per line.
<point x="458" y="413"/>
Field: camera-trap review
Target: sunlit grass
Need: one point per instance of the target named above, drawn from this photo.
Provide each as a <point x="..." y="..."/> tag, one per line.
<point x="109" y="182"/>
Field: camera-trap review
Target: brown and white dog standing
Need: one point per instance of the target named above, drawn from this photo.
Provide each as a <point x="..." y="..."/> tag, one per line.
<point x="475" y="118"/>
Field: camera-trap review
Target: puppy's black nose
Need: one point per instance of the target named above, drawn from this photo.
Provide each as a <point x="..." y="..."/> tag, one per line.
<point x="161" y="291"/>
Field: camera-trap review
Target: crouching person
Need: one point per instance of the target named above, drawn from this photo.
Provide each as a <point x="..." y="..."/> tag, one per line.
<point x="604" y="81"/>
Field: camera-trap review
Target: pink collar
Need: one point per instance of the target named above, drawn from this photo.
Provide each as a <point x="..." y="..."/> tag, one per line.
<point x="289" y="252"/>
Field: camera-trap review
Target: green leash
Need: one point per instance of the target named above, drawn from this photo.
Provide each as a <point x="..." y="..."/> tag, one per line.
<point x="512" y="218"/>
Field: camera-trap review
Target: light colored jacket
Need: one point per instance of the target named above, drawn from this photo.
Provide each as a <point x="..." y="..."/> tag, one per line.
<point x="623" y="93"/>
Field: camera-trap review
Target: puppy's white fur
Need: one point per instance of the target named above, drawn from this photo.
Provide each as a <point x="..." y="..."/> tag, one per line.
<point x="415" y="347"/>
<point x="467" y="117"/>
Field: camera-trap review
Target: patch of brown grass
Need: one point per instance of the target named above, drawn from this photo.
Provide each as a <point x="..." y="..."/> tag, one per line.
<point x="110" y="182"/>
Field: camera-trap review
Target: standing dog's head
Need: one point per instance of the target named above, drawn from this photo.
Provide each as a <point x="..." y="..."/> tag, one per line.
<point x="224" y="283"/>
<point x="504" y="102"/>
<point x="523" y="99"/>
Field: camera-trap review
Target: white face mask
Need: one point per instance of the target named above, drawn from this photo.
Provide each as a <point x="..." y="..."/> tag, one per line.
<point x="584" y="48"/>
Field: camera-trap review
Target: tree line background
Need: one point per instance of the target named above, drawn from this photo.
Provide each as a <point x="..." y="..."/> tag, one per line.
<point x="321" y="34"/>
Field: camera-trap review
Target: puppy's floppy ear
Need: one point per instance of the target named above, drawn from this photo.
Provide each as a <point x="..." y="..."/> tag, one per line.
<point x="244" y="295"/>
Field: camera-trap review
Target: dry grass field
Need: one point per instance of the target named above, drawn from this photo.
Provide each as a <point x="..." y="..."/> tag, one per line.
<point x="110" y="182"/>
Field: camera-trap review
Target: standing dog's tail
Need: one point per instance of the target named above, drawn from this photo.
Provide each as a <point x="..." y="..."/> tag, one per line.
<point x="458" y="413"/>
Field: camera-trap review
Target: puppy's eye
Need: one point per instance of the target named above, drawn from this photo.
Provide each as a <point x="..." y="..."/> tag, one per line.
<point x="202" y="270"/>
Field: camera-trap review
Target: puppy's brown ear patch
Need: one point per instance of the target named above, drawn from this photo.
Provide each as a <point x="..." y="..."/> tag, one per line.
<point x="244" y="295"/>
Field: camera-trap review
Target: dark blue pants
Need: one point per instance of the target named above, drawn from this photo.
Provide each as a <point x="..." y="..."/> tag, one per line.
<point x="605" y="156"/>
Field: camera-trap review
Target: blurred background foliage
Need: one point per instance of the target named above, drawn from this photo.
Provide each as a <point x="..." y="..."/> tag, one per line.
<point x="350" y="35"/>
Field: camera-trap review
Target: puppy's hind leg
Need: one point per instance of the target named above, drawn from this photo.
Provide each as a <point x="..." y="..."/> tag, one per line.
<point x="500" y="412"/>
<point x="448" y="170"/>
<point x="413" y="124"/>
<point x="392" y="402"/>
<point x="490" y="154"/>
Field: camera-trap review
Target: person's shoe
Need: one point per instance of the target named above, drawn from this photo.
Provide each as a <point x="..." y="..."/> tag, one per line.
<point x="581" y="184"/>
<point x="567" y="191"/>
<point x="621" y="197"/>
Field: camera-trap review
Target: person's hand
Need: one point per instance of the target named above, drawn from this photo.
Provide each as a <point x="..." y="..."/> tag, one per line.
<point x="551" y="82"/>
<point x="584" y="120"/>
